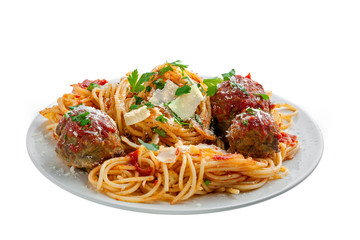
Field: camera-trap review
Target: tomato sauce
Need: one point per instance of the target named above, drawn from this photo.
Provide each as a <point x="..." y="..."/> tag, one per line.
<point x="134" y="156"/>
<point x="86" y="83"/>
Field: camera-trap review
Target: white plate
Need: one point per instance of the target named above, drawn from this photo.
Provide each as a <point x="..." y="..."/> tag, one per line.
<point x="41" y="150"/>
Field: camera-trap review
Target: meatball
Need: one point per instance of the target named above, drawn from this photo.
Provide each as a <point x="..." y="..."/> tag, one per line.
<point x="254" y="133"/>
<point x="232" y="97"/>
<point x="87" y="137"/>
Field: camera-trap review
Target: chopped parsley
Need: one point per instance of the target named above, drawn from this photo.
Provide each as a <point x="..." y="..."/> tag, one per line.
<point x="245" y="122"/>
<point x="250" y="111"/>
<point x="138" y="100"/>
<point x="183" y="90"/>
<point x="179" y="64"/>
<point x="160" y="83"/>
<point x="227" y="76"/>
<point x="81" y="118"/>
<point x="92" y="86"/>
<point x="148" y="89"/>
<point x="151" y="147"/>
<point x="165" y="69"/>
<point x="242" y="88"/>
<point x="198" y="120"/>
<point x="264" y="96"/>
<point x="212" y="83"/>
<point x="159" y="131"/>
<point x="73" y="107"/>
<point x="136" y="85"/>
<point x="134" y="106"/>
<point x="161" y="118"/>
<point x="207" y="181"/>
<point x="149" y="105"/>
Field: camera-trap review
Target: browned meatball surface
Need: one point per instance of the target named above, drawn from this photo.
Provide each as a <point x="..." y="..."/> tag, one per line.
<point x="254" y="133"/>
<point x="87" y="137"/>
<point x="232" y="97"/>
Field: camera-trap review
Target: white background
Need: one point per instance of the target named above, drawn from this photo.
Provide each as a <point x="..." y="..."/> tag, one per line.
<point x="305" y="51"/>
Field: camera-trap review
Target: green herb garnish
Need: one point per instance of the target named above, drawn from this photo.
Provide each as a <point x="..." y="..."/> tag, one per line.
<point x="161" y="118"/>
<point x="159" y="131"/>
<point x="136" y="85"/>
<point x="165" y="69"/>
<point x="148" y="89"/>
<point x="134" y="106"/>
<point x="138" y="100"/>
<point x="207" y="181"/>
<point x="245" y="122"/>
<point x="81" y="118"/>
<point x="149" y="105"/>
<point x="227" y="76"/>
<point x="92" y="86"/>
<point x="212" y="83"/>
<point x="73" y="107"/>
<point x="160" y="83"/>
<point x="242" y="88"/>
<point x="198" y="120"/>
<point x="183" y="90"/>
<point x="264" y="96"/>
<point x="151" y="147"/>
<point x="250" y="111"/>
<point x="179" y="64"/>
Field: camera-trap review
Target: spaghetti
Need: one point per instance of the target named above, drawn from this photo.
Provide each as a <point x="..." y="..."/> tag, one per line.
<point x="190" y="161"/>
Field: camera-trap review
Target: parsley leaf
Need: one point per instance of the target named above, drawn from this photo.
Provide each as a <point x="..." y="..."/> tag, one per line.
<point x="264" y="96"/>
<point x="212" y="83"/>
<point x="160" y="83"/>
<point x="161" y="118"/>
<point x="136" y="85"/>
<point x="227" y="76"/>
<point x="245" y="122"/>
<point x="92" y="86"/>
<point x="183" y="90"/>
<point x="148" y="89"/>
<point x="179" y="64"/>
<point x="165" y="69"/>
<point x="132" y="78"/>
<point x="198" y="120"/>
<point x="134" y="106"/>
<point x="149" y="105"/>
<point x="207" y="181"/>
<point x="160" y="131"/>
<point x="138" y="100"/>
<point x="242" y="88"/>
<point x="151" y="147"/>
<point x="250" y="111"/>
<point x="73" y="107"/>
<point x="81" y="118"/>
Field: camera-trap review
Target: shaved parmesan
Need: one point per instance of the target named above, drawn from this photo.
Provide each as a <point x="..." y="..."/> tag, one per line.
<point x="136" y="115"/>
<point x="185" y="105"/>
<point x="167" y="155"/>
<point x="164" y="95"/>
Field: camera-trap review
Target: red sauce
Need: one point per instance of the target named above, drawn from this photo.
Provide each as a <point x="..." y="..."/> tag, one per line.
<point x="223" y="157"/>
<point x="86" y="83"/>
<point x="287" y="138"/>
<point x="231" y="100"/>
<point x="134" y="161"/>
